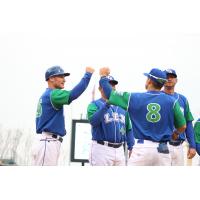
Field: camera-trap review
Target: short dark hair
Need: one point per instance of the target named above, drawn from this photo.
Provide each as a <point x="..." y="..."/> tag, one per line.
<point x="156" y="85"/>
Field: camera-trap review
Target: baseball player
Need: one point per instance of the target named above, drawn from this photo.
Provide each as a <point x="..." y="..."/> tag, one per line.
<point x="153" y="115"/>
<point x="111" y="126"/>
<point x="50" y="122"/>
<point x="197" y="135"/>
<point x="176" y="147"/>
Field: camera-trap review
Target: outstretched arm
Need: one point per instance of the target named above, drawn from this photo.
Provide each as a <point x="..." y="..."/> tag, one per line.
<point x="96" y="115"/>
<point x="82" y="85"/>
<point x="104" y="82"/>
<point x="116" y="98"/>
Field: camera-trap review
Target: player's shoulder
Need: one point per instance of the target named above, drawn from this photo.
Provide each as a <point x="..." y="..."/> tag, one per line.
<point x="98" y="102"/>
<point x="181" y="96"/>
<point x="169" y="98"/>
<point x="47" y="92"/>
<point x="94" y="101"/>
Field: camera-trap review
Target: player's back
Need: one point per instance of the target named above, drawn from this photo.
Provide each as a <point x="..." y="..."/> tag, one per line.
<point x="152" y="115"/>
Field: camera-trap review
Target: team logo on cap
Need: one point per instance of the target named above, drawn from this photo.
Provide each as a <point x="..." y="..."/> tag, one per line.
<point x="169" y="71"/>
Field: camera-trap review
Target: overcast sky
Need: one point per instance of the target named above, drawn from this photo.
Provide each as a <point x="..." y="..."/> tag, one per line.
<point x="129" y="37"/>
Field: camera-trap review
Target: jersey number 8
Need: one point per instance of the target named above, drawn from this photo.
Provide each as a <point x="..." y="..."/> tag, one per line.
<point x="153" y="115"/>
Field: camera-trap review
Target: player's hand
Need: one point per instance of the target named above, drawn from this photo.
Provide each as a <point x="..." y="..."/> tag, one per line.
<point x="89" y="69"/>
<point x="191" y="153"/>
<point x="129" y="153"/>
<point x="175" y="135"/>
<point x="104" y="71"/>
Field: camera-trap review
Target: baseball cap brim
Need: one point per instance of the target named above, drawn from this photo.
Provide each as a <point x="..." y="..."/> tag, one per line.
<point x="146" y="74"/>
<point x="114" y="82"/>
<point x="58" y="74"/>
<point x="66" y="74"/>
<point x="172" y="74"/>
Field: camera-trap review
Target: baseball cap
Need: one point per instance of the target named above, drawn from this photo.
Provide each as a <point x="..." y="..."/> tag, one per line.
<point x="157" y="76"/>
<point x="55" y="71"/>
<point x="112" y="80"/>
<point x="171" y="71"/>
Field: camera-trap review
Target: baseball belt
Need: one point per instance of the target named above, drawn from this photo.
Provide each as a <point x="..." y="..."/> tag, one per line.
<point x="114" y="145"/>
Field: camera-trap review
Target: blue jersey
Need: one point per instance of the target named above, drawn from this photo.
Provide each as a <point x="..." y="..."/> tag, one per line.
<point x="189" y="132"/>
<point x="110" y="123"/>
<point x="50" y="117"/>
<point x="153" y="114"/>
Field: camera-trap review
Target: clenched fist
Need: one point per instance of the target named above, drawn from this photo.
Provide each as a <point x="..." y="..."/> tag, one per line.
<point x="89" y="69"/>
<point x="104" y="71"/>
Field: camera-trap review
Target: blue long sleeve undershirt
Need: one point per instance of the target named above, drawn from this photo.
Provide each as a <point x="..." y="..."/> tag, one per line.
<point x="80" y="87"/>
<point x="104" y="83"/>
<point x="130" y="139"/>
<point x="190" y="135"/>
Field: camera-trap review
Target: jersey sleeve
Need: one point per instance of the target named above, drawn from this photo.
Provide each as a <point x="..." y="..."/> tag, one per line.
<point x="92" y="108"/>
<point x="179" y="119"/>
<point x="80" y="87"/>
<point x="197" y="132"/>
<point x="128" y="122"/>
<point x="120" y="99"/>
<point x="188" y="114"/>
<point x="59" y="98"/>
<point x="95" y="114"/>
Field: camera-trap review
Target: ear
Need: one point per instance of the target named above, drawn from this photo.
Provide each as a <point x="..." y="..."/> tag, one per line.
<point x="51" y="79"/>
<point x="148" y="81"/>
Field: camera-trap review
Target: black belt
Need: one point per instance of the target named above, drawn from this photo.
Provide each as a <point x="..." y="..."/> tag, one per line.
<point x="110" y="144"/>
<point x="57" y="137"/>
<point x="141" y="141"/>
<point x="176" y="143"/>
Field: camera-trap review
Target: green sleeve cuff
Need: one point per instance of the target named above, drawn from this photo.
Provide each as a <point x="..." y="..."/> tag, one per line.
<point x="59" y="98"/>
<point x="120" y="99"/>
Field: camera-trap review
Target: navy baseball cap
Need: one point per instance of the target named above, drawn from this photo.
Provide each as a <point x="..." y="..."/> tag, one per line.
<point x="112" y="80"/>
<point x="171" y="71"/>
<point x="157" y="75"/>
<point x="55" y="71"/>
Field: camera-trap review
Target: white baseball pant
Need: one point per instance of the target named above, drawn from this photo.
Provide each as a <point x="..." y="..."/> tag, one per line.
<point x="102" y="155"/>
<point x="177" y="155"/>
<point x="146" y="154"/>
<point x="46" y="150"/>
